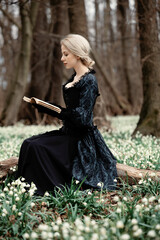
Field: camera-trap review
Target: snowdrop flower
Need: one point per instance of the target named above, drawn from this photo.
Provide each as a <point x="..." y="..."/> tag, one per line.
<point x="43" y="227"/>
<point x="151" y="234"/>
<point x="85" y="204"/>
<point x="100" y="184"/>
<point x="77" y="181"/>
<point x="135" y="228"/>
<point x="10" y="193"/>
<point x="89" y="193"/>
<point x="118" y="210"/>
<point x="87" y="220"/>
<point x="46" y="194"/>
<point x="34" y="235"/>
<point x="137" y="233"/>
<point x="55" y="228"/>
<point x="134" y="221"/>
<point x="120" y="224"/>
<point x="115" y="180"/>
<point x="151" y="199"/>
<point x="44" y="235"/>
<point x="95" y="236"/>
<point x="14" y="207"/>
<point x="125" y="236"/>
<point x="125" y="199"/>
<point x="78" y="222"/>
<point x="56" y="234"/>
<point x="157" y="227"/>
<point x="19" y="214"/>
<point x="5" y="189"/>
<point x="26" y="235"/>
<point x="17" y="199"/>
<point x="4" y="211"/>
<point x="116" y="198"/>
<point x="59" y="221"/>
<point x="32" y="204"/>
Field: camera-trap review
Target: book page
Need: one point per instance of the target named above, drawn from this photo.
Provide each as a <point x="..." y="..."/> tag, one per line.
<point x="42" y="103"/>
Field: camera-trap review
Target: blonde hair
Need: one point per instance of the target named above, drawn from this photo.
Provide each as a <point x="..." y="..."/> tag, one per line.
<point x="80" y="47"/>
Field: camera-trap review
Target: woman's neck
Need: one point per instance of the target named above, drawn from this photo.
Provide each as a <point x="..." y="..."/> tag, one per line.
<point x="80" y="70"/>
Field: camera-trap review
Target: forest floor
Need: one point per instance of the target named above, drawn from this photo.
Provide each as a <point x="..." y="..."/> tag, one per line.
<point x="130" y="212"/>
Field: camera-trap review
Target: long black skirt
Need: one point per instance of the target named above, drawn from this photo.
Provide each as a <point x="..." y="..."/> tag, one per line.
<point x="46" y="160"/>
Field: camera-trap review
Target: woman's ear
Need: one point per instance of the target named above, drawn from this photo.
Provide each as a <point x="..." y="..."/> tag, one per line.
<point x="78" y="58"/>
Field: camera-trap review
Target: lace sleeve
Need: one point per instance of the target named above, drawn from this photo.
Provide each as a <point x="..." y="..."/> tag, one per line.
<point x="81" y="116"/>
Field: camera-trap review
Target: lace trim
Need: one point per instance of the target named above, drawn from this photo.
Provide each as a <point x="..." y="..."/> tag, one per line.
<point x="86" y="73"/>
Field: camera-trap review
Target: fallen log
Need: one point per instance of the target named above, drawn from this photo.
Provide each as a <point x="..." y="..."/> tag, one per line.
<point x="126" y="173"/>
<point x="7" y="166"/>
<point x="133" y="175"/>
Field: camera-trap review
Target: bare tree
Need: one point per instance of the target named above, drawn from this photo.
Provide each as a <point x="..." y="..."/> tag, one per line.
<point x="149" y="122"/>
<point x="17" y="87"/>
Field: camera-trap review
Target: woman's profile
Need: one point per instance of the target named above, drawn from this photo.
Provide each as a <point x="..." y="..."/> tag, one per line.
<point x="77" y="150"/>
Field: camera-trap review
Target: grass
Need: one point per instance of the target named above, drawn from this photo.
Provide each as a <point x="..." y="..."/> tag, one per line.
<point x="130" y="212"/>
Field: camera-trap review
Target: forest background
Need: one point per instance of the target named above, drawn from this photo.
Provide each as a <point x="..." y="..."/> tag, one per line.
<point x="124" y="35"/>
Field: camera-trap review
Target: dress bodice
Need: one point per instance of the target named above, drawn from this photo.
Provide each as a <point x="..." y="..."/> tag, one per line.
<point x="71" y="97"/>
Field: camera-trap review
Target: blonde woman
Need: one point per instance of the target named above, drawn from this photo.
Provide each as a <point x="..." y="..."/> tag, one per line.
<point x="77" y="150"/>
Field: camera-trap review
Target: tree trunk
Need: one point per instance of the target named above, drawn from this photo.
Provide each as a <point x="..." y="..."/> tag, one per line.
<point x="61" y="27"/>
<point x="18" y="85"/>
<point x="149" y="123"/>
<point x="77" y="17"/>
<point x="40" y="70"/>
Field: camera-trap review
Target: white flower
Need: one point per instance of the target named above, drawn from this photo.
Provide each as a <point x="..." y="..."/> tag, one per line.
<point x="46" y="194"/>
<point x="17" y="199"/>
<point x="118" y="210"/>
<point x="5" y="189"/>
<point x="34" y="235"/>
<point x="59" y="221"/>
<point x="134" y="221"/>
<point x="125" y="199"/>
<point x="151" y="234"/>
<point x="103" y="231"/>
<point x="95" y="236"/>
<point x="125" y="236"/>
<point x="85" y="204"/>
<point x="19" y="214"/>
<point x="151" y="199"/>
<point x="100" y="184"/>
<point x="115" y="180"/>
<point x="10" y="193"/>
<point x="26" y="235"/>
<point x="135" y="227"/>
<point x="55" y="228"/>
<point x="4" y="211"/>
<point x="116" y="198"/>
<point x="89" y="193"/>
<point x="56" y="234"/>
<point x="120" y="224"/>
<point x="157" y="227"/>
<point x="77" y="181"/>
<point x="32" y="204"/>
<point x="43" y="227"/>
<point x="137" y="233"/>
<point x="14" y="207"/>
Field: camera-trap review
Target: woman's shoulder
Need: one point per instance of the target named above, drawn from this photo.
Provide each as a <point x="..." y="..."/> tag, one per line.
<point x="89" y="78"/>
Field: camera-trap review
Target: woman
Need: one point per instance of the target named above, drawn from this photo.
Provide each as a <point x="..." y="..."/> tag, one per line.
<point x="77" y="149"/>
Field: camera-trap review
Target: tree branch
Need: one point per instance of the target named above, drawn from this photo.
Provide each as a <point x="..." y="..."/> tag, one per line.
<point x="10" y="18"/>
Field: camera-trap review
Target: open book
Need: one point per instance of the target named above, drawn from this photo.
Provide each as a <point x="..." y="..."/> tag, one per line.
<point x="42" y="103"/>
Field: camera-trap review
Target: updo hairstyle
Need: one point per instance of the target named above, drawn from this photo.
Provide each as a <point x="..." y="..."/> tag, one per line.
<point x="80" y="47"/>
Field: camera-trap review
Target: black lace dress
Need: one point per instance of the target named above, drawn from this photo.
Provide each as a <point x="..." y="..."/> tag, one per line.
<point x="75" y="150"/>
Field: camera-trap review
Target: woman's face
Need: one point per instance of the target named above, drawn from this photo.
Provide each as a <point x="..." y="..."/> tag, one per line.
<point x="69" y="60"/>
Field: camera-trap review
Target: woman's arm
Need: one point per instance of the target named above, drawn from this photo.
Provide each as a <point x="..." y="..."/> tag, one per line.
<point x="81" y="115"/>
